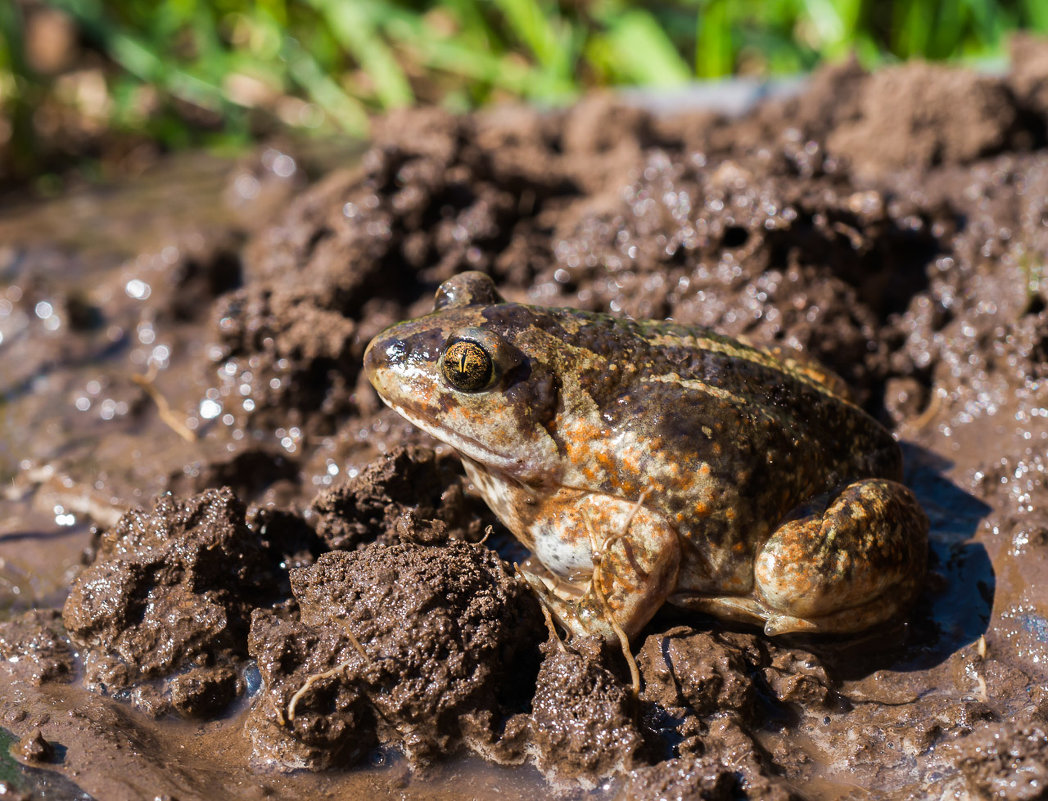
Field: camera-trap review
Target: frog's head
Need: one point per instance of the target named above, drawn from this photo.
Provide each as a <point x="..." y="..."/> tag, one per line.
<point x="473" y="374"/>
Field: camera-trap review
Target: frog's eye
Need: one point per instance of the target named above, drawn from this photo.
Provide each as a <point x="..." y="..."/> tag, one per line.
<point x="467" y="366"/>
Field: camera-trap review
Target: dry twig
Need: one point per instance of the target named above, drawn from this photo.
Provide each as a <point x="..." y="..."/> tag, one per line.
<point x="325" y="674"/>
<point x="147" y="383"/>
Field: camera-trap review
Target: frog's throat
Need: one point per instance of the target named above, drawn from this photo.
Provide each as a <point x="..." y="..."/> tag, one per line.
<point x="466" y="445"/>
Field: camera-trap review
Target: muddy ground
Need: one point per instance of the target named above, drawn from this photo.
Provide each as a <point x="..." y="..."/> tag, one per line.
<point x="223" y="564"/>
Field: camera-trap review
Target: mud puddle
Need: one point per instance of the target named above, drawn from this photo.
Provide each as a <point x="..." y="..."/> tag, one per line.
<point x="334" y="620"/>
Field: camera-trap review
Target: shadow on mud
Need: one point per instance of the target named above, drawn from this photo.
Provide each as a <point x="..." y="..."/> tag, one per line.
<point x="955" y="609"/>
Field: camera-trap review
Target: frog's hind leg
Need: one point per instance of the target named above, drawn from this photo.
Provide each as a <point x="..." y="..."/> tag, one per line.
<point x="856" y="564"/>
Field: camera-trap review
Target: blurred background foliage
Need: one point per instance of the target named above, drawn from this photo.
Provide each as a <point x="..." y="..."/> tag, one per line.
<point x="77" y="74"/>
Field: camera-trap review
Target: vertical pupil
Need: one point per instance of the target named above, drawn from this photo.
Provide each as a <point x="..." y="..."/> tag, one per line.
<point x="467" y="366"/>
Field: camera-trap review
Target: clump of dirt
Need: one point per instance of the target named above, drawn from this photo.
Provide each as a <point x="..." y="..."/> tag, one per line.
<point x="705" y="673"/>
<point x="404" y="644"/>
<point x="892" y="225"/>
<point x="409" y="494"/>
<point x="707" y="692"/>
<point x="162" y="610"/>
<point x="583" y="719"/>
<point x="290" y="352"/>
<point x="34" y="748"/>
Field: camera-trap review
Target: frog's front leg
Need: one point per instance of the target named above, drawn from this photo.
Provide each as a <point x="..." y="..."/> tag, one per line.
<point x="639" y="556"/>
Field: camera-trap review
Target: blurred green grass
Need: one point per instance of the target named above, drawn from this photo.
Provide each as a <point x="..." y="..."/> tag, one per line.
<point x="186" y="71"/>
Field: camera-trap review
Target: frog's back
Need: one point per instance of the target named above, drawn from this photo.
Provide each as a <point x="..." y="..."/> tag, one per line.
<point x="692" y="378"/>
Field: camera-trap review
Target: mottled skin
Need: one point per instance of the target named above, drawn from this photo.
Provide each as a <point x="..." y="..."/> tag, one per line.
<point x="708" y="473"/>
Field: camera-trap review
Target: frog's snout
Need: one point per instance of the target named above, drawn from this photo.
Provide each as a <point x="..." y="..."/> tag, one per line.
<point x="382" y="354"/>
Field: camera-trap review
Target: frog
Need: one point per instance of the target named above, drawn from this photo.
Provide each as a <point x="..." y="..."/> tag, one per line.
<point x="646" y="463"/>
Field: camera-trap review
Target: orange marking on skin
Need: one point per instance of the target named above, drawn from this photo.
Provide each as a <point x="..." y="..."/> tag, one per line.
<point x="701" y="509"/>
<point x="704" y="469"/>
<point x="729" y="514"/>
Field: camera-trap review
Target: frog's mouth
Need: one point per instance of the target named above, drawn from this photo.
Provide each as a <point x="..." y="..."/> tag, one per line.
<point x="464" y="444"/>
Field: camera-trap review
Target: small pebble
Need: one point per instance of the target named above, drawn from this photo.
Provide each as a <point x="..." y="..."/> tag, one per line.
<point x="34" y="748"/>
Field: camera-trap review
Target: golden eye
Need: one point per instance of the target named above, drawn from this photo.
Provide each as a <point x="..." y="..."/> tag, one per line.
<point x="467" y="366"/>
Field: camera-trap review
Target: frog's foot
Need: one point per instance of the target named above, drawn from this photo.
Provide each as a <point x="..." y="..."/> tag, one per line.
<point x="857" y="564"/>
<point x="633" y="570"/>
<point x="574" y="614"/>
<point x="752" y="611"/>
<point x="744" y="609"/>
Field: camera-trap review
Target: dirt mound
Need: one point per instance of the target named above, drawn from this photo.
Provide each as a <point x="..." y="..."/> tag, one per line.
<point x="162" y="610"/>
<point x="409" y="645"/>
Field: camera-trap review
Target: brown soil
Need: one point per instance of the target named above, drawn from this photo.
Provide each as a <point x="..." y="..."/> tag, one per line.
<point x="341" y="620"/>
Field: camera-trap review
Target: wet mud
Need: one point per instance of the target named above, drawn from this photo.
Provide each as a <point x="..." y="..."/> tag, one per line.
<point x="223" y="563"/>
